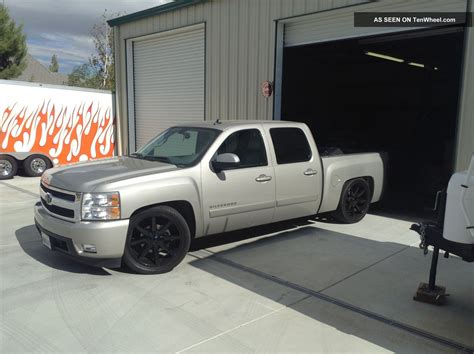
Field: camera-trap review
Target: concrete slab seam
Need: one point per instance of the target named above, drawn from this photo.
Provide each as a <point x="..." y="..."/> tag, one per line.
<point x="345" y="305"/>
<point x="240" y="326"/>
<point x="21" y="190"/>
<point x="369" y="266"/>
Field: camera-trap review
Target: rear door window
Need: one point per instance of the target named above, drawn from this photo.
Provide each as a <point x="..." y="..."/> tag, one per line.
<point x="291" y="145"/>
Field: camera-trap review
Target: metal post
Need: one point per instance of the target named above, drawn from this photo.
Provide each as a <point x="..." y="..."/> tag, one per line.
<point x="434" y="266"/>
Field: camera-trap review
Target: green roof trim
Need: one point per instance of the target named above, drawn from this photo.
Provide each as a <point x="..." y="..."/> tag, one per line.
<point x="177" y="4"/>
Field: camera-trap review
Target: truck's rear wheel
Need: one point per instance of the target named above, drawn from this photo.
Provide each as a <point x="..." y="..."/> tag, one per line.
<point x="35" y="165"/>
<point x="157" y="241"/>
<point x="354" y="202"/>
<point x="8" y="167"/>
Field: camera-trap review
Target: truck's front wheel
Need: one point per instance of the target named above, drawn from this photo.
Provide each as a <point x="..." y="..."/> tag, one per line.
<point x="354" y="202"/>
<point x="157" y="241"/>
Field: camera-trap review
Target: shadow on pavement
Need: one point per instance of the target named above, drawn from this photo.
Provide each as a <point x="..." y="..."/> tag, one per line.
<point x="380" y="277"/>
<point x="245" y="234"/>
<point x="374" y="210"/>
<point x="29" y="240"/>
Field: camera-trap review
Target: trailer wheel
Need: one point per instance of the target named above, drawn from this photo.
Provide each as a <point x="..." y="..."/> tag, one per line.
<point x="35" y="165"/>
<point x="354" y="202"/>
<point x="8" y="167"/>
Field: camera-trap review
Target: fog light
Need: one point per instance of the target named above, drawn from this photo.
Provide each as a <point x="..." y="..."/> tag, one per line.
<point x="89" y="248"/>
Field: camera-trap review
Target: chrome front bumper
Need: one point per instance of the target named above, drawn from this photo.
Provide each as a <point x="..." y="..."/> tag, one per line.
<point x="107" y="236"/>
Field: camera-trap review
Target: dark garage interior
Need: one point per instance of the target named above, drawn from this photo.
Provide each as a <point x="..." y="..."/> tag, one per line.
<point x="395" y="93"/>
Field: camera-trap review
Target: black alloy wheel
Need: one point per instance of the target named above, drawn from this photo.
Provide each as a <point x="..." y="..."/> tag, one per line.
<point x="157" y="241"/>
<point x="354" y="202"/>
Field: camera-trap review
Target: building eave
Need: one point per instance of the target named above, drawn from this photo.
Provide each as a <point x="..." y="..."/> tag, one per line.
<point x="171" y="6"/>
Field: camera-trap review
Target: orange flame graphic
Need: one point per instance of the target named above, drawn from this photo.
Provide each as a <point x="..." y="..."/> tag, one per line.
<point x="86" y="132"/>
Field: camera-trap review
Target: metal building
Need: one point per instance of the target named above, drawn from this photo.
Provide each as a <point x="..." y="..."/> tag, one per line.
<point x="207" y="59"/>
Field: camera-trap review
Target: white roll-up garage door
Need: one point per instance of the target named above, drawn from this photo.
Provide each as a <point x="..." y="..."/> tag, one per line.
<point x="339" y="24"/>
<point x="168" y="81"/>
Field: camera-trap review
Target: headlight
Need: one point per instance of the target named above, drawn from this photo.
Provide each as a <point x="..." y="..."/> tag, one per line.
<point x="101" y="206"/>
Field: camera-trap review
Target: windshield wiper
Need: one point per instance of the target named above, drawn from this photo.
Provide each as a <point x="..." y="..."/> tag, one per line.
<point x="137" y="155"/>
<point x="158" y="158"/>
<point x="151" y="157"/>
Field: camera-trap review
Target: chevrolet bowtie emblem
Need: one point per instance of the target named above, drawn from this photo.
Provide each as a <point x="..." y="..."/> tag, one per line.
<point x="49" y="198"/>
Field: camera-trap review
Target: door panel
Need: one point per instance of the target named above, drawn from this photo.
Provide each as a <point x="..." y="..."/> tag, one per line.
<point x="297" y="172"/>
<point x="233" y="199"/>
<point x="244" y="196"/>
<point x="297" y="194"/>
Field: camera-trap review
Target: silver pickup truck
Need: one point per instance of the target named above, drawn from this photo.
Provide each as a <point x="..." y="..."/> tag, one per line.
<point x="198" y="180"/>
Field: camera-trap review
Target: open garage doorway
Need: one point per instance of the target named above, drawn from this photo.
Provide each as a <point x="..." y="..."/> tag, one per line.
<point x="394" y="93"/>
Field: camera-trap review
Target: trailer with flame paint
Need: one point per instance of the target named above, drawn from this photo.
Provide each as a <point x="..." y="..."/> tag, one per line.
<point x="45" y="125"/>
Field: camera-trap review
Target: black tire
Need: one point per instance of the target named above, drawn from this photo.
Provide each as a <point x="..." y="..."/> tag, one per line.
<point x="354" y="202"/>
<point x="158" y="249"/>
<point x="35" y="165"/>
<point x="8" y="167"/>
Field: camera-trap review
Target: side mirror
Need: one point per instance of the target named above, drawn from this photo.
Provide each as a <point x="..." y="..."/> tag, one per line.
<point x="225" y="161"/>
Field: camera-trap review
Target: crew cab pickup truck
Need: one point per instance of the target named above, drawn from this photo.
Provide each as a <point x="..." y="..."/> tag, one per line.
<point x="196" y="180"/>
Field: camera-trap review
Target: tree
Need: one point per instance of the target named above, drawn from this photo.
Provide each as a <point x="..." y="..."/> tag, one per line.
<point x="12" y="47"/>
<point x="54" y="66"/>
<point x="99" y="72"/>
<point x="102" y="62"/>
<point x="82" y="76"/>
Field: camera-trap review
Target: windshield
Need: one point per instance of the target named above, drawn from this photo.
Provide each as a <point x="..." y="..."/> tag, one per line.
<point x="181" y="146"/>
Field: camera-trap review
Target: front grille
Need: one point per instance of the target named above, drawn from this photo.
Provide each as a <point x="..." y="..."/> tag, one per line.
<point x="68" y="213"/>
<point x="57" y="194"/>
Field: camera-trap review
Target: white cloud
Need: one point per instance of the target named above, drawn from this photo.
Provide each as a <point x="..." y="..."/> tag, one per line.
<point x="62" y="27"/>
<point x="64" y="53"/>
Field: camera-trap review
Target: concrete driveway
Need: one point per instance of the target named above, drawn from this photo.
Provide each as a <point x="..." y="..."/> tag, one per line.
<point x="317" y="287"/>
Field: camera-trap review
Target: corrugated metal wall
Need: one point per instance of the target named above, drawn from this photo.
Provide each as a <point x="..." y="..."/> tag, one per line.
<point x="466" y="112"/>
<point x="339" y="24"/>
<point x="240" y="50"/>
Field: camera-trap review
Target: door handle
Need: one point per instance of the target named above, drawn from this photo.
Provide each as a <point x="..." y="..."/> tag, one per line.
<point x="310" y="172"/>
<point x="263" y="178"/>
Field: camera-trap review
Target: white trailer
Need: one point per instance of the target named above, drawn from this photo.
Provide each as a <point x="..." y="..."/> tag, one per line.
<point x="453" y="232"/>
<point x="46" y="125"/>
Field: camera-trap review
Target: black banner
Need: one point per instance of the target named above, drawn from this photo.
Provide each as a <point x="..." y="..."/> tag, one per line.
<point x="412" y="19"/>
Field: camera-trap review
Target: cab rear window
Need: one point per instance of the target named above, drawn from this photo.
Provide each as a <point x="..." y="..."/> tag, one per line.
<point x="291" y="145"/>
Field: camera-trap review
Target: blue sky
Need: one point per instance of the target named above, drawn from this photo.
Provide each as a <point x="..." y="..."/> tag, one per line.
<point x="62" y="27"/>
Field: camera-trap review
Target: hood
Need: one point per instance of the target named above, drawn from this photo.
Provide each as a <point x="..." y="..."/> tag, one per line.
<point x="86" y="176"/>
